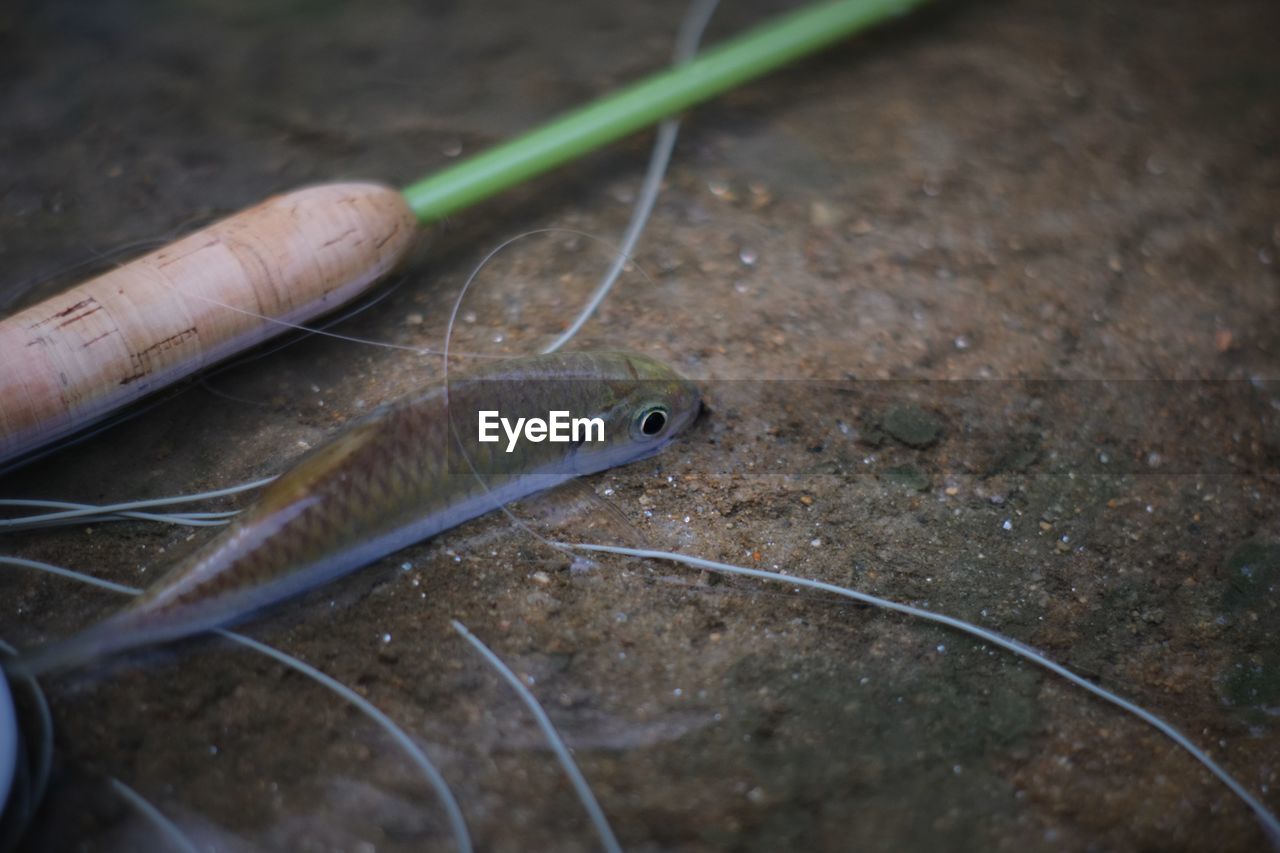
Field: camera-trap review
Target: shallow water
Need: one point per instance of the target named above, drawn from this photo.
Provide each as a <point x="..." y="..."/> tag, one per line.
<point x="990" y="192"/>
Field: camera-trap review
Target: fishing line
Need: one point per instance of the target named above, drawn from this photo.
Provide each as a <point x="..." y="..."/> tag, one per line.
<point x="437" y="781"/>
<point x="299" y="327"/>
<point x="571" y="769"/>
<point x="457" y="823"/>
<point x="306" y="332"/>
<point x="497" y="250"/>
<point x="689" y="35"/>
<point x="76" y="515"/>
<point x="1269" y="822"/>
<point x="597" y="298"/>
<point x="322" y="331"/>
<point x="387" y="291"/>
<point x="98" y="256"/>
<point x="193" y="519"/>
<point x="292" y="251"/>
<point x="691" y="29"/>
<point x="453" y="425"/>
<point x="687" y="39"/>
<point x="141" y="408"/>
<point x="154" y="816"/>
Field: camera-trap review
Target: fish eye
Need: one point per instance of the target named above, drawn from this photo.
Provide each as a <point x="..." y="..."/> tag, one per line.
<point x="652" y="420"/>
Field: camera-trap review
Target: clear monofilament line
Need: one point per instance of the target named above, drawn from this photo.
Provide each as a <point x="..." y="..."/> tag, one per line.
<point x="87" y="510"/>
<point x="457" y="823"/>
<point x="579" y="782"/>
<point x="688" y="38"/>
<point x="166" y="827"/>
<point x="1269" y="821"/>
<point x="36" y="503"/>
<point x="32" y="522"/>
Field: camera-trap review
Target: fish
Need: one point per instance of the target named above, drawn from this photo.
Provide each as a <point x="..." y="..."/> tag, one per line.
<point x="407" y="471"/>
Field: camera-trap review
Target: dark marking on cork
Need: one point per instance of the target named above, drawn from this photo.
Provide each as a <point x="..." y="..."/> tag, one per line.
<point x="79" y="306"/>
<point x="96" y="308"/>
<point x="339" y="238"/>
<point x="168" y="343"/>
<point x="260" y="276"/>
<point x="85" y="345"/>
<point x="383" y="241"/>
<point x="142" y="359"/>
<point x="161" y="264"/>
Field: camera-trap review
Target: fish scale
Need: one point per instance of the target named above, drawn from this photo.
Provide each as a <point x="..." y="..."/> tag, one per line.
<point x="402" y="474"/>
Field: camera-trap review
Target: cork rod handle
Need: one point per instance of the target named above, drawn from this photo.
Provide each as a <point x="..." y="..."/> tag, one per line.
<point x="84" y="353"/>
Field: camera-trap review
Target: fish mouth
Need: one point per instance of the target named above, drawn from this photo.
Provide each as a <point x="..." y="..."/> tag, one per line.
<point x="690" y="406"/>
<point x="704" y="412"/>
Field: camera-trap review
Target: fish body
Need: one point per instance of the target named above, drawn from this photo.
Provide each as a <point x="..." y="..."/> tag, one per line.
<point x="402" y="474"/>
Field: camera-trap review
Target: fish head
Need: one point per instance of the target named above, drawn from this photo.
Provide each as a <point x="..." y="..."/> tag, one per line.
<point x="645" y="405"/>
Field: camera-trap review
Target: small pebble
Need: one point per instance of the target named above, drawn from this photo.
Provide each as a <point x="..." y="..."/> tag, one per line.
<point x="823" y="215"/>
<point x="720" y="189"/>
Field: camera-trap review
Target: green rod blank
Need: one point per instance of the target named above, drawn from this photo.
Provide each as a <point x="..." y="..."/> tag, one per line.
<point x="641" y="104"/>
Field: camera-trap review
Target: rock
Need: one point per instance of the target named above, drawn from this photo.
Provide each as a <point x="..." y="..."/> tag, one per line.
<point x="913" y="426"/>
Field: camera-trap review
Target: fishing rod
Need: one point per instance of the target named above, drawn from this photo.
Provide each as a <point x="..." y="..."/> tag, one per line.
<point x="76" y="357"/>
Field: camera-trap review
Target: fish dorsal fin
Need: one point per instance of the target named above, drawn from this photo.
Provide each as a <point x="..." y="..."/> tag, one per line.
<point x="300" y="479"/>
